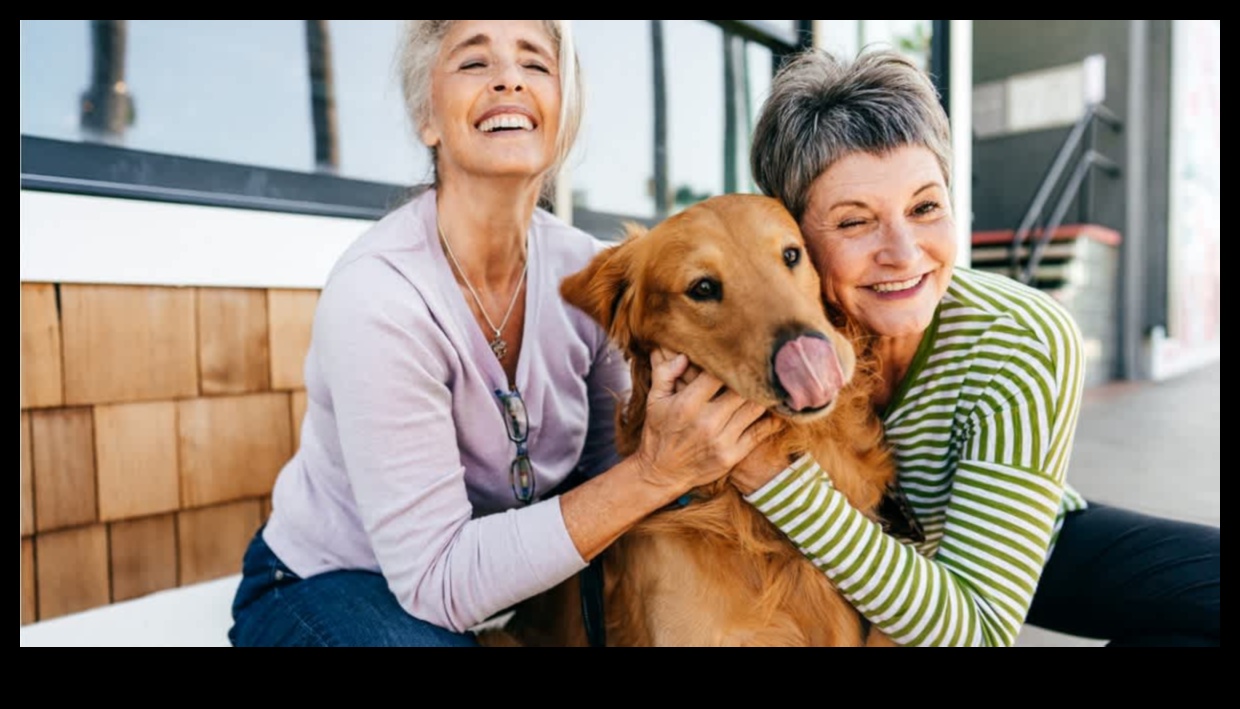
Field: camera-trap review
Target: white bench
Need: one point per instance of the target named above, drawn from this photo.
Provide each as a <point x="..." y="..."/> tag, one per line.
<point x="192" y="616"/>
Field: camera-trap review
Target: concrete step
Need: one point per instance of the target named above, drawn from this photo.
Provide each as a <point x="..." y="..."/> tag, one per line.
<point x="992" y="252"/>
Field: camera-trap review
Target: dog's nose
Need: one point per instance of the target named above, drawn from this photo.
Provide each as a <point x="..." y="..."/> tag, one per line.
<point x="807" y="370"/>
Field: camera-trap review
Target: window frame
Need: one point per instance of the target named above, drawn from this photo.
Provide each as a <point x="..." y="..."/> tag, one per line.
<point x="100" y="170"/>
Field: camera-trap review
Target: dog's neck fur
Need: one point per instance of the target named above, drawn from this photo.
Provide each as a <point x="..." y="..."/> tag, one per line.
<point x="718" y="524"/>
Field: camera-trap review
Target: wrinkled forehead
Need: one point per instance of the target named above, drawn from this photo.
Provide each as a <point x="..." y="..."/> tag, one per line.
<point x="527" y="35"/>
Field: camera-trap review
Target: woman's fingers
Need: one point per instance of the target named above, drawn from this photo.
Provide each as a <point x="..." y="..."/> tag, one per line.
<point x="743" y="418"/>
<point x="665" y="369"/>
<point x="686" y="378"/>
<point x="692" y="372"/>
<point x="760" y="432"/>
<point x="700" y="392"/>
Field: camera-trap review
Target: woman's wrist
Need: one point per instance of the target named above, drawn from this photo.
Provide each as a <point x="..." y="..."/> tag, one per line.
<point x="651" y="486"/>
<point x="598" y="511"/>
<point x="792" y="476"/>
<point x="759" y="469"/>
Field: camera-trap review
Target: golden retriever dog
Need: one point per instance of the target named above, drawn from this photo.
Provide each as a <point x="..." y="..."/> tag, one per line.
<point x="727" y="282"/>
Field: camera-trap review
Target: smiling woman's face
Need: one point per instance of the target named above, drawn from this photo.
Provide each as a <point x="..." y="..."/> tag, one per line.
<point x="882" y="235"/>
<point x="495" y="99"/>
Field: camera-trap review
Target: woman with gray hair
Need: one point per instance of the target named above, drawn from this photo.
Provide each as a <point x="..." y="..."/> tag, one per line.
<point x="455" y="459"/>
<point x="981" y="384"/>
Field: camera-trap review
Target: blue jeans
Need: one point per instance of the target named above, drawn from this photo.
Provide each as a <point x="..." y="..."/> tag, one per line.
<point x="275" y="608"/>
<point x="1132" y="579"/>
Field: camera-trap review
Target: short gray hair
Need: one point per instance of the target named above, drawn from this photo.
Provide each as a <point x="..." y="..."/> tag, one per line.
<point x="420" y="44"/>
<point x="822" y="108"/>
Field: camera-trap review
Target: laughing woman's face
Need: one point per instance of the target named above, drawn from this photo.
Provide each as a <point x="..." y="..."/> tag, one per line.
<point x="495" y="100"/>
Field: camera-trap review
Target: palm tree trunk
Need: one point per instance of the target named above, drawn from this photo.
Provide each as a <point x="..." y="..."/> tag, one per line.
<point x="322" y="96"/>
<point x="107" y="107"/>
<point x="661" y="191"/>
<point x="733" y="75"/>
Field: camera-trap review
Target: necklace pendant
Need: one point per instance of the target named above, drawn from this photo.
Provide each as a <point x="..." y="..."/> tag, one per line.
<point x="499" y="347"/>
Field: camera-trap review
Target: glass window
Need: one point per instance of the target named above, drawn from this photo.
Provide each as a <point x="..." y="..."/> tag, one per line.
<point x="54" y="69"/>
<point x="696" y="117"/>
<point x="308" y="115"/>
<point x="785" y="26"/>
<point x="847" y="37"/>
<point x="706" y="121"/>
<point x="910" y="37"/>
<point x="217" y="89"/>
<point x="759" y="70"/>
<point x="785" y="30"/>
<point x="227" y="90"/>
<point x="841" y="37"/>
<point x="376" y="140"/>
<point x="613" y="165"/>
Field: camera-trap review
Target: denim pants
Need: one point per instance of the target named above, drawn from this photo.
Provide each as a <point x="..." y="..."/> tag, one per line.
<point x="1132" y="579"/>
<point x="1116" y="575"/>
<point x="275" y="608"/>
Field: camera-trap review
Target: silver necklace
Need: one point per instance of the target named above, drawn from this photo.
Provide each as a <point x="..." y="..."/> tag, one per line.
<point x="497" y="343"/>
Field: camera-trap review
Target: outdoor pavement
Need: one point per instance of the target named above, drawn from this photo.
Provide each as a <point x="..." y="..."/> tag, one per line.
<point x="1149" y="446"/>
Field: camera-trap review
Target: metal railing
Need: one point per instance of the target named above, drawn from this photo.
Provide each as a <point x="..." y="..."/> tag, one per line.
<point x="1081" y="162"/>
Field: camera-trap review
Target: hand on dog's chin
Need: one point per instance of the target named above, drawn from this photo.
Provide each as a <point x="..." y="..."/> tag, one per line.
<point x="759" y="467"/>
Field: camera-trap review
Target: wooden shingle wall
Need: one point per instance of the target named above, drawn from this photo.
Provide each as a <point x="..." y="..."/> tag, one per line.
<point x="153" y="423"/>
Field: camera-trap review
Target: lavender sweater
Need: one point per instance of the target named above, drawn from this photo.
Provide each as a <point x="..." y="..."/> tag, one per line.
<point x="404" y="458"/>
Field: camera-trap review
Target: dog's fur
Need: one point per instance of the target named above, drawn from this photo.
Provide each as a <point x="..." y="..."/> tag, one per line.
<point x="716" y="571"/>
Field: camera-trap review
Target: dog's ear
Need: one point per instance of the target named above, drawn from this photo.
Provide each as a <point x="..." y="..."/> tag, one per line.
<point x="603" y="289"/>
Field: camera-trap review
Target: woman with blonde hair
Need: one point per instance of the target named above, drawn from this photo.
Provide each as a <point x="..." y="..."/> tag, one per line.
<point x="455" y="458"/>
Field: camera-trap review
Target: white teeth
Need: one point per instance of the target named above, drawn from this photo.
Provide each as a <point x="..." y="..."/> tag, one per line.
<point x="896" y="286"/>
<point x="506" y="120"/>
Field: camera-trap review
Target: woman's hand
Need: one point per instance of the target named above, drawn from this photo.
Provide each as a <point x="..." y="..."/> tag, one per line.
<point x="759" y="467"/>
<point x="695" y="432"/>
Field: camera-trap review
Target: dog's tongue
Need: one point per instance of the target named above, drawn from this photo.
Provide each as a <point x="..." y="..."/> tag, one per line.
<point x="809" y="371"/>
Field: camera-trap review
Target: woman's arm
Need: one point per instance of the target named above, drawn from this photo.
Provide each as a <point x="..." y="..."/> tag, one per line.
<point x="1000" y="521"/>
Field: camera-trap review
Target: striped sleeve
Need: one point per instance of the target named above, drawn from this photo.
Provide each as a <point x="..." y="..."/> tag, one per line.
<point x="974" y="592"/>
<point x="975" y="586"/>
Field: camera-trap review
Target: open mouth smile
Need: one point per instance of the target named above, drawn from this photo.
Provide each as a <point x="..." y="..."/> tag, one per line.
<point x="898" y="287"/>
<point x="506" y="122"/>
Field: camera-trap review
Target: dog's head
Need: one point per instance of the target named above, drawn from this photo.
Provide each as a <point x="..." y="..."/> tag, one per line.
<point x="727" y="282"/>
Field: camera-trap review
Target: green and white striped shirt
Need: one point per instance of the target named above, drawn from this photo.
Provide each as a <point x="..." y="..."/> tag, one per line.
<point x="982" y="429"/>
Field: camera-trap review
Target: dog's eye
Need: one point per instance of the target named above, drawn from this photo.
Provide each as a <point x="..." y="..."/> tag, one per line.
<point x="706" y="289"/>
<point x="792" y="256"/>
